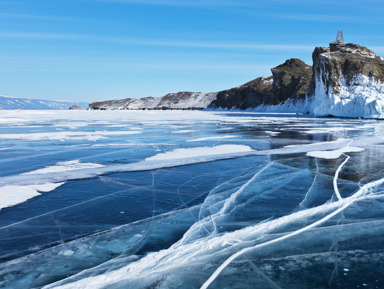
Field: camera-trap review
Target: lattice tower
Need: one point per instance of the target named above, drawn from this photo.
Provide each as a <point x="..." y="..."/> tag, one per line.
<point x="339" y="37"/>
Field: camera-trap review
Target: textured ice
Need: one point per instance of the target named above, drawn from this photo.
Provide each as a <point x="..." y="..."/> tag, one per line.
<point x="364" y="97"/>
<point x="272" y="206"/>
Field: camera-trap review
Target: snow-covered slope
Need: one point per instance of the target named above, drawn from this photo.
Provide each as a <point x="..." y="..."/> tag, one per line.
<point x="179" y="100"/>
<point x="348" y="81"/>
<point x="7" y="102"/>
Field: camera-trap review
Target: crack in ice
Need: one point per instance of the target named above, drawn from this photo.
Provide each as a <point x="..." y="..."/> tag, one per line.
<point x="345" y="204"/>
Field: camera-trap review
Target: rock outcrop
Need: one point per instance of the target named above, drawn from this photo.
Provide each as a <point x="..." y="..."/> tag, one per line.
<point x="76" y="107"/>
<point x="289" y="80"/>
<point x="180" y="100"/>
<point x="347" y="81"/>
<point x="252" y="94"/>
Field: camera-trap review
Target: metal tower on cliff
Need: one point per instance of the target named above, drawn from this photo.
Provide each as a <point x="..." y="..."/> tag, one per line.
<point x="339" y="37"/>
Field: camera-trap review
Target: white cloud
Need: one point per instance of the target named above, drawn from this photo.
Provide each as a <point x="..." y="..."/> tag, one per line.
<point x="166" y="43"/>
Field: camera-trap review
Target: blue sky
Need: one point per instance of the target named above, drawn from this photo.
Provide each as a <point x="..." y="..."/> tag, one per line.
<point x="92" y="50"/>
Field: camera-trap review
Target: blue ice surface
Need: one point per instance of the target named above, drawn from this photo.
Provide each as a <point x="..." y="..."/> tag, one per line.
<point x="94" y="226"/>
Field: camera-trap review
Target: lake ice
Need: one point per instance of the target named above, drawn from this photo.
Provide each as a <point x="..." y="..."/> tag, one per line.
<point x="190" y="199"/>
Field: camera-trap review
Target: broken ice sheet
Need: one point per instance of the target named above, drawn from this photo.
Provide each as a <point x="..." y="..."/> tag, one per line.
<point x="248" y="207"/>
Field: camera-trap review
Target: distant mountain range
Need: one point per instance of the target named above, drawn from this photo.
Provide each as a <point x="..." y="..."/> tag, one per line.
<point x="7" y="102"/>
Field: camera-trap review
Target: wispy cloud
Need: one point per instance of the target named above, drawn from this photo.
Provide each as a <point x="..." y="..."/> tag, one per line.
<point x="135" y="67"/>
<point x="323" y="18"/>
<point x="45" y="17"/>
<point x="185" y="3"/>
<point x="165" y="43"/>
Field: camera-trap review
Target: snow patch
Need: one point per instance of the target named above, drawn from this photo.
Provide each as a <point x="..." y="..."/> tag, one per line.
<point x="184" y="131"/>
<point x="210" y="138"/>
<point x="65" y="167"/>
<point x="11" y="195"/>
<point x="333" y="154"/>
<point x="14" y="194"/>
<point x="66" y="135"/>
<point x="200" y="152"/>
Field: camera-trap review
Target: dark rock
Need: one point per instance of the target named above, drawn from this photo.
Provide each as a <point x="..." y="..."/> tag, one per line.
<point x="290" y="80"/>
<point x="316" y="68"/>
<point x="250" y="95"/>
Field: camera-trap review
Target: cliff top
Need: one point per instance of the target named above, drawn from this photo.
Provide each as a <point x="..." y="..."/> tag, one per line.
<point x="352" y="48"/>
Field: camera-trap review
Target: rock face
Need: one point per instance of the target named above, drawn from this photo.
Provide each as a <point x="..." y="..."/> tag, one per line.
<point x="179" y="100"/>
<point x="347" y="81"/>
<point x="252" y="94"/>
<point x="289" y="80"/>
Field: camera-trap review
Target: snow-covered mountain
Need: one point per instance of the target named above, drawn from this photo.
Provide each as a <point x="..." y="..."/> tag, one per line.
<point x="7" y="102"/>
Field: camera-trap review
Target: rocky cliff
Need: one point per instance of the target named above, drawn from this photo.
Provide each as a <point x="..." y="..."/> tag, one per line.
<point x="347" y="81"/>
<point x="179" y="100"/>
<point x="249" y="95"/>
<point x="289" y="80"/>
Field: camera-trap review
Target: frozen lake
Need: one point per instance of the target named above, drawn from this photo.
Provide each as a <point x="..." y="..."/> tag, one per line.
<point x="190" y="199"/>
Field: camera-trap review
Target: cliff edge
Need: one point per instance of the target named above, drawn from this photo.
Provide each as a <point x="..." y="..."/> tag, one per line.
<point x="289" y="81"/>
<point x="347" y="81"/>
